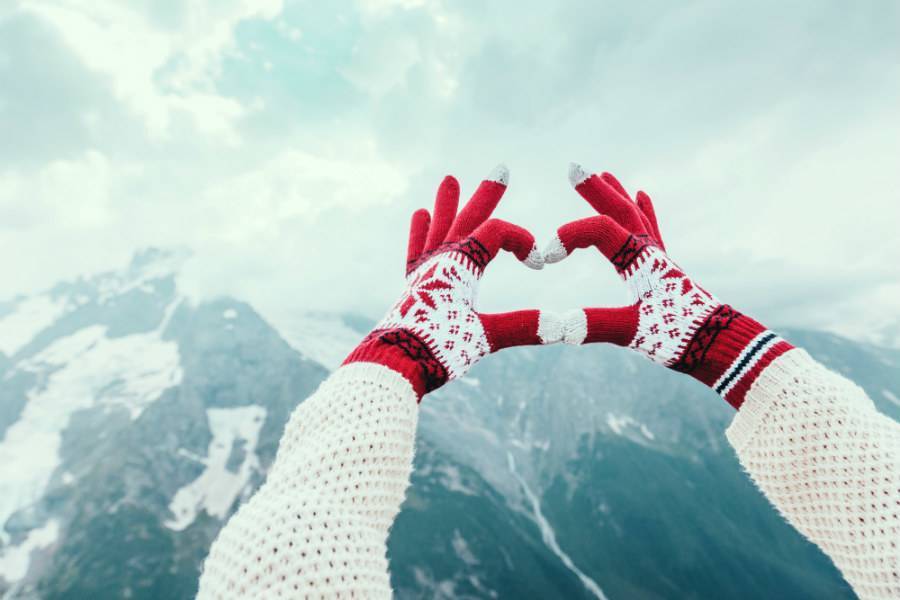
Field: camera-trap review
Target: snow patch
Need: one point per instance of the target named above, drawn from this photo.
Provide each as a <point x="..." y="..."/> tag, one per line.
<point x="30" y="317"/>
<point x="81" y="371"/>
<point x="145" y="269"/>
<point x="168" y="314"/>
<point x="15" y="560"/>
<point x="549" y="535"/>
<point x="617" y="424"/>
<point x="433" y="588"/>
<point x="518" y="444"/>
<point x="216" y="489"/>
<point x="325" y="339"/>
<point x="620" y="423"/>
<point x="462" y="549"/>
<point x="451" y="479"/>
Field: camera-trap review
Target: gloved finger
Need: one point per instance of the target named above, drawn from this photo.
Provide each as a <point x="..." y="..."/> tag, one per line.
<point x="591" y="325"/>
<point x="445" y="204"/>
<point x="601" y="231"/>
<point x="606" y="199"/>
<point x="522" y="328"/>
<point x="495" y="234"/>
<point x="418" y="230"/>
<point x="646" y="206"/>
<point x="615" y="183"/>
<point x="611" y="180"/>
<point x="482" y="204"/>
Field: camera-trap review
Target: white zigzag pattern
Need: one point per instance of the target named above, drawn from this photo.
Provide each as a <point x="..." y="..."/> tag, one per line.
<point x="671" y="309"/>
<point x="438" y="306"/>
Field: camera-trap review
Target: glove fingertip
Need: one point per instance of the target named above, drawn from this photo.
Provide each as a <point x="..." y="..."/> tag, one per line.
<point x="554" y="251"/>
<point x="535" y="259"/>
<point x="551" y="328"/>
<point x="500" y="174"/>
<point x="575" y="326"/>
<point x="577" y="174"/>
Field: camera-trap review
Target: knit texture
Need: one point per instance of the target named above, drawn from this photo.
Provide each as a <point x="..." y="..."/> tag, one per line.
<point x="830" y="463"/>
<point x="673" y="320"/>
<point x="318" y="527"/>
<point x="433" y="332"/>
<point x="811" y="440"/>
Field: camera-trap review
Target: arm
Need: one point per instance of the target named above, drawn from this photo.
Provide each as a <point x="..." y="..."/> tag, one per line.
<point x="830" y="463"/>
<point x="811" y="440"/>
<point x="320" y="522"/>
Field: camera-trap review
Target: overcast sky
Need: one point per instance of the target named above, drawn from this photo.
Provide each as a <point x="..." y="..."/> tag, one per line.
<point x="286" y="143"/>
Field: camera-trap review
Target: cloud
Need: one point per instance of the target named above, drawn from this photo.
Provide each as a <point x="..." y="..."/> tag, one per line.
<point x="288" y="142"/>
<point x="157" y="71"/>
<point x="27" y="202"/>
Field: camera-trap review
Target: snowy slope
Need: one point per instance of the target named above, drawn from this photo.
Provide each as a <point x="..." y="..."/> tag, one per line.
<point x="133" y="422"/>
<point x="322" y="337"/>
<point x="82" y="433"/>
<point x="220" y="483"/>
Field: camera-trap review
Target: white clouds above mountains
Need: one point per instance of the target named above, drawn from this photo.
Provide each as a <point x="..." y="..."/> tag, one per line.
<point x="287" y="142"/>
<point x="157" y="70"/>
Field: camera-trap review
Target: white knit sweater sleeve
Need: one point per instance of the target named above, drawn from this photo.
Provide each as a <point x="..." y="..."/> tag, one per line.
<point x="830" y="463"/>
<point x="318" y="527"/>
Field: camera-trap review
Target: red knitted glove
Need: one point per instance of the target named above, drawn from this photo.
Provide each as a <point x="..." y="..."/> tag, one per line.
<point x="673" y="321"/>
<point x="433" y="333"/>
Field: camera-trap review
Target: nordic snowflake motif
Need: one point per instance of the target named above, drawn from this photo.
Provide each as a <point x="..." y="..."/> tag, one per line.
<point x="437" y="306"/>
<point x="671" y="306"/>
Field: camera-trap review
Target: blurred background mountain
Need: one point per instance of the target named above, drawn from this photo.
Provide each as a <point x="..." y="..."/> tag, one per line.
<point x="133" y="421"/>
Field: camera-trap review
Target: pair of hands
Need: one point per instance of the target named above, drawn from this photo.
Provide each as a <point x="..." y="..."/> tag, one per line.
<point x="434" y="334"/>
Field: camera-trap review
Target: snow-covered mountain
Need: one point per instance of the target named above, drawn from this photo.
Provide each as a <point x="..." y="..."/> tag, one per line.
<point x="133" y="421"/>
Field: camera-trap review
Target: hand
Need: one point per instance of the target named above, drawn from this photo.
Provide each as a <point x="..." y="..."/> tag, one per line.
<point x="673" y="321"/>
<point x="433" y="333"/>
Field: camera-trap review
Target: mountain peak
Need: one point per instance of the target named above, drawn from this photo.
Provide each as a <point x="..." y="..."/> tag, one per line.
<point x="146" y="266"/>
<point x="153" y="255"/>
<point x="155" y="263"/>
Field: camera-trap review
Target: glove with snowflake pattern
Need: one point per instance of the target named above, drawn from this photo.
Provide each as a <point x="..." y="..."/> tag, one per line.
<point x="433" y="333"/>
<point x="673" y="321"/>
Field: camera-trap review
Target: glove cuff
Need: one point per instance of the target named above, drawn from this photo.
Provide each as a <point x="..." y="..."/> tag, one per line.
<point x="728" y="353"/>
<point x="403" y="351"/>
